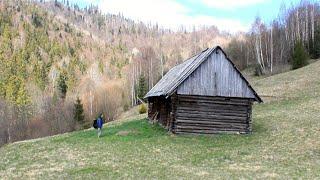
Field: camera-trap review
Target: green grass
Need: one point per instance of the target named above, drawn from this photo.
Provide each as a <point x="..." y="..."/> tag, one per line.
<point x="285" y="143"/>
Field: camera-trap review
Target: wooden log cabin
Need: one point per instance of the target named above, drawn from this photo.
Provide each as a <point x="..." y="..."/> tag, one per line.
<point x="206" y="94"/>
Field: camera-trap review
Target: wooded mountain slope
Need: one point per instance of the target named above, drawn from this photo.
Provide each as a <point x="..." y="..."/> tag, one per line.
<point x="52" y="52"/>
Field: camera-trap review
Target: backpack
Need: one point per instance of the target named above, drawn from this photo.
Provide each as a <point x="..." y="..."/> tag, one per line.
<point x="95" y="124"/>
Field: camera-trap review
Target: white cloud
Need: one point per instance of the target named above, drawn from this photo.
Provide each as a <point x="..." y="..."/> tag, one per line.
<point x="224" y="24"/>
<point x="167" y="13"/>
<point x="231" y="4"/>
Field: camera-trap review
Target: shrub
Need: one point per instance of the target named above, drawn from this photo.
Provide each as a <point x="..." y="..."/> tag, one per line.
<point x="126" y="107"/>
<point x="108" y="100"/>
<point x="258" y="71"/>
<point x="300" y="56"/>
<point x="142" y="108"/>
<point x="36" y="19"/>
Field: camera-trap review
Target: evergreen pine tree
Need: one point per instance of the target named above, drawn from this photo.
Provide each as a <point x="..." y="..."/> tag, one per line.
<point x="62" y="85"/>
<point x="142" y="87"/>
<point x="2" y="89"/>
<point x="300" y="56"/>
<point x="78" y="112"/>
<point x="22" y="96"/>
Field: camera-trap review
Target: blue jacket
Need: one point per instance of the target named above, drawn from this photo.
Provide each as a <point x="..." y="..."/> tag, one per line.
<point x="100" y="122"/>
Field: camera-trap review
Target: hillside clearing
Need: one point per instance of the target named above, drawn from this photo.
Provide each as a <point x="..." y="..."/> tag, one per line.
<point x="284" y="144"/>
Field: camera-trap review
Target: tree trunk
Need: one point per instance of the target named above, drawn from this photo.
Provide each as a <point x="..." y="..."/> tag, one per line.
<point x="91" y="104"/>
<point x="271" y="49"/>
<point x="161" y="60"/>
<point x="298" y="25"/>
<point x="312" y="24"/>
<point x="257" y="47"/>
<point x="306" y="26"/>
<point x="261" y="55"/>
<point x="151" y="73"/>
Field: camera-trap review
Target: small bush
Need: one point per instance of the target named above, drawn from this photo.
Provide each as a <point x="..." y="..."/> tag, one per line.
<point x="300" y="56"/>
<point x="258" y="71"/>
<point x="126" y="107"/>
<point x="142" y="108"/>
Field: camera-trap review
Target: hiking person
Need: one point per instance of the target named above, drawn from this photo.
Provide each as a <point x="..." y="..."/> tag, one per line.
<point x="100" y="124"/>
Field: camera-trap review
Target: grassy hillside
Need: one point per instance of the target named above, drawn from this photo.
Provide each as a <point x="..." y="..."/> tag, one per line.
<point x="284" y="144"/>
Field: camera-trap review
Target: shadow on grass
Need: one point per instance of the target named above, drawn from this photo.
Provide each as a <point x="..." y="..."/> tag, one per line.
<point x="258" y="127"/>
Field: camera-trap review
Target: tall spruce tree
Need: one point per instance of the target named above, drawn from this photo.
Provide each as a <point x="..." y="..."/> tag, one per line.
<point x="78" y="112"/>
<point x="300" y="56"/>
<point x="142" y="87"/>
<point x="62" y="85"/>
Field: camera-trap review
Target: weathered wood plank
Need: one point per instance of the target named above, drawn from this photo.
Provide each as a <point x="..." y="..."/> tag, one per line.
<point x="210" y="126"/>
<point x="216" y="76"/>
<point x="196" y="112"/>
<point x="217" y="98"/>
<point x="213" y="131"/>
<point x="185" y="100"/>
<point x="202" y="121"/>
<point x="200" y="128"/>
<point x="213" y="110"/>
<point x="209" y="117"/>
<point x="212" y="106"/>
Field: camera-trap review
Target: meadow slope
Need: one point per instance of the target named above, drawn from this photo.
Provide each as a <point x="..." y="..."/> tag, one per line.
<point x="285" y="143"/>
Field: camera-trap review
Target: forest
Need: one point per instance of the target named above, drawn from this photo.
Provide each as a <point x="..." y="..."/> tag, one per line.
<point x="55" y="57"/>
<point x="269" y="46"/>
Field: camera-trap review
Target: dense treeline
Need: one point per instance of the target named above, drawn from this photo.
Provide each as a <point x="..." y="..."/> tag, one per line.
<point x="270" y="47"/>
<point x="28" y="54"/>
<point x="40" y="67"/>
<point x="138" y="49"/>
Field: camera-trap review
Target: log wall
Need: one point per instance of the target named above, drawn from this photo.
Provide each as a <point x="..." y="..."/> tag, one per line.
<point x="209" y="115"/>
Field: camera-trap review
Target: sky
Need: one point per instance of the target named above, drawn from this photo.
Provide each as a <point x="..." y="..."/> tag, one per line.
<point x="228" y="15"/>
